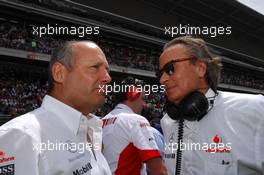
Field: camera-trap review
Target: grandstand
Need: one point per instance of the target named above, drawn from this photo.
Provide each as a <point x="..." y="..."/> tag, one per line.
<point x="132" y="43"/>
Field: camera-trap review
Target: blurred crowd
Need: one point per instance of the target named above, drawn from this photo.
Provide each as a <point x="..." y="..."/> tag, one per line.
<point x="72" y="8"/>
<point x="19" y="92"/>
<point x="245" y="79"/>
<point x="154" y="108"/>
<point x="18" y="36"/>
<point x="21" y="88"/>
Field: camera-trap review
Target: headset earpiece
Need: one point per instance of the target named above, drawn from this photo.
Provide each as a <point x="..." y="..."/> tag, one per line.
<point x="173" y="110"/>
<point x="192" y="107"/>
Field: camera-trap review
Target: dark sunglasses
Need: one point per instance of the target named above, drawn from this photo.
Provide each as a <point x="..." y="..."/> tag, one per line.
<point x="169" y="67"/>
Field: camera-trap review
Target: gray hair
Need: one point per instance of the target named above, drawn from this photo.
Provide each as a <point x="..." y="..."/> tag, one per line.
<point x="64" y="55"/>
<point x="197" y="48"/>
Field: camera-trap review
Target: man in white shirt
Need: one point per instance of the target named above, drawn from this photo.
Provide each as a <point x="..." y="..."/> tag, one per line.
<point x="207" y="132"/>
<point x="128" y="137"/>
<point x="61" y="137"/>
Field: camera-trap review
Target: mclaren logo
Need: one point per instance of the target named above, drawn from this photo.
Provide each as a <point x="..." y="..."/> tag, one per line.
<point x="172" y="137"/>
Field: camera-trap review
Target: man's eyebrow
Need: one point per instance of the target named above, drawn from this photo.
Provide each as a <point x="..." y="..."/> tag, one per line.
<point x="100" y="64"/>
<point x="95" y="64"/>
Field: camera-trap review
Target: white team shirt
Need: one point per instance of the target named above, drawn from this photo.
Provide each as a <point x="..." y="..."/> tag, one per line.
<point x="128" y="141"/>
<point x="236" y="121"/>
<point x="26" y="143"/>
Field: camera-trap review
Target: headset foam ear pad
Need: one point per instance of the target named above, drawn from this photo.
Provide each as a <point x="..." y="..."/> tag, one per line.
<point x="194" y="106"/>
<point x="173" y="111"/>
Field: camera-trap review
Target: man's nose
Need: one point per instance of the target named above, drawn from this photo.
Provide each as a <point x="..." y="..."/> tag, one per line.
<point x="164" y="77"/>
<point x="106" y="77"/>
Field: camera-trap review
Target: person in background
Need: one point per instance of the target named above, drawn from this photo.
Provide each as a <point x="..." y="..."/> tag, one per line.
<point x="128" y="137"/>
<point x="158" y="137"/>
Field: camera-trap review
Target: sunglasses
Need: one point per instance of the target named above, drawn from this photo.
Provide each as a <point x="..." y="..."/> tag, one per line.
<point x="169" y="67"/>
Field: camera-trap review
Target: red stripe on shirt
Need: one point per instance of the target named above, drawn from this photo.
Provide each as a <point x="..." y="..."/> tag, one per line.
<point x="148" y="154"/>
<point x="131" y="160"/>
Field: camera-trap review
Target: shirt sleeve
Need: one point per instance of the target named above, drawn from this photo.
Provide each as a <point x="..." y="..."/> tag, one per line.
<point x="162" y="125"/>
<point x="144" y="140"/>
<point x="17" y="154"/>
<point x="159" y="140"/>
<point x="104" y="167"/>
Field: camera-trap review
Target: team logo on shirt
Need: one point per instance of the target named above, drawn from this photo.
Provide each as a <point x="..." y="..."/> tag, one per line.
<point x="143" y="125"/>
<point x="217" y="139"/>
<point x="171" y="137"/>
<point x="217" y="146"/>
<point x="2" y="153"/>
<point x="7" y="169"/>
<point x="87" y="167"/>
<point x="109" y="121"/>
<point x="4" y="159"/>
<point x="170" y="156"/>
<point x="151" y="139"/>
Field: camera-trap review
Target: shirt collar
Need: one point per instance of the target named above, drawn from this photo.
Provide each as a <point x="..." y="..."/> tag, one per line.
<point x="210" y="93"/>
<point x="124" y="107"/>
<point x="211" y="97"/>
<point x="70" y="116"/>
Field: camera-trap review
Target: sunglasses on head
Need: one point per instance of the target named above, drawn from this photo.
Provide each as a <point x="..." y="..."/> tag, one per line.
<point x="169" y="67"/>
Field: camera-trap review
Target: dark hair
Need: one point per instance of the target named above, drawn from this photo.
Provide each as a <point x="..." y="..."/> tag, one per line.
<point x="121" y="95"/>
<point x="196" y="47"/>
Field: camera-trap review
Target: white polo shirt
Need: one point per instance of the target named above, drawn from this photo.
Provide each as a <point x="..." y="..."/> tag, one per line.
<point x="234" y="128"/>
<point x="52" y="140"/>
<point x="128" y="141"/>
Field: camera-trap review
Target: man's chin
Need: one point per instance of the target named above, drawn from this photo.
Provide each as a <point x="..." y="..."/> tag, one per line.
<point x="174" y="99"/>
<point x="101" y="100"/>
<point x="102" y="93"/>
<point x="97" y="104"/>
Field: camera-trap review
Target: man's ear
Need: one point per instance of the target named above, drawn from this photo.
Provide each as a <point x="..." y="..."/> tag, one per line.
<point x="201" y="68"/>
<point x="59" y="72"/>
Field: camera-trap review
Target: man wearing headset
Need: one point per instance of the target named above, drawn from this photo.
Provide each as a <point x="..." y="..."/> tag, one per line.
<point x="207" y="132"/>
<point x="127" y="136"/>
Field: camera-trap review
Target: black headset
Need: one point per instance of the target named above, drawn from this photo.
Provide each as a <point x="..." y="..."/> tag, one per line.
<point x="193" y="107"/>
